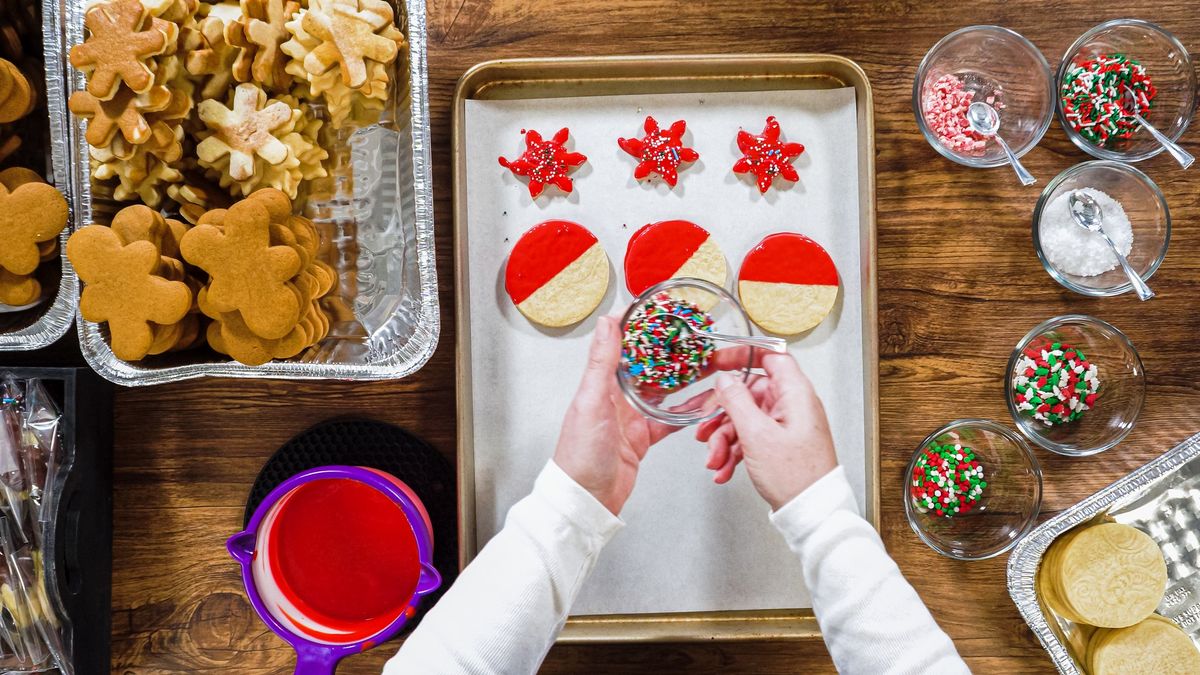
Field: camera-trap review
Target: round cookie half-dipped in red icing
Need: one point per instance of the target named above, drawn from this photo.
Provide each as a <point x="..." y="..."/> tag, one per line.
<point x="788" y="283"/>
<point x="557" y="273"/>
<point x="673" y="249"/>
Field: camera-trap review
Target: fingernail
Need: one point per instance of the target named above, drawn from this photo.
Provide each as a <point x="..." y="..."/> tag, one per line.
<point x="724" y="381"/>
<point x="603" y="329"/>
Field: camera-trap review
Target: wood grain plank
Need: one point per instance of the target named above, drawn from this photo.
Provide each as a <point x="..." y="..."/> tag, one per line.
<point x="959" y="285"/>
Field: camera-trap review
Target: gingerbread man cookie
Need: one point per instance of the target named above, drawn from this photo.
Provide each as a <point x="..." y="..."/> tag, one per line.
<point x="29" y="215"/>
<point x="247" y="273"/>
<point x="122" y="289"/>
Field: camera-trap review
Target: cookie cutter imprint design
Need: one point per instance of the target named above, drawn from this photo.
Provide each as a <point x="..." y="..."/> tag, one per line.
<point x="59" y="312"/>
<point x="381" y="229"/>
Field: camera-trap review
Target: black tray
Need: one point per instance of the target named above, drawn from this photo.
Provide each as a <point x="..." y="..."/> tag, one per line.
<point x="83" y="534"/>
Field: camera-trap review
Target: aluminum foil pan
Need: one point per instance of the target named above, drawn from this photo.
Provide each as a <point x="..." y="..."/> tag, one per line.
<point x="41" y="324"/>
<point x="380" y="222"/>
<point x="1162" y="499"/>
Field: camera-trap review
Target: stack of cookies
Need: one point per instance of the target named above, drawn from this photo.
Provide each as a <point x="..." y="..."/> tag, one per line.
<point x="265" y="282"/>
<point x="1112" y="577"/>
<point x="242" y="88"/>
<point x="138" y="94"/>
<point x="136" y="283"/>
<point x="32" y="214"/>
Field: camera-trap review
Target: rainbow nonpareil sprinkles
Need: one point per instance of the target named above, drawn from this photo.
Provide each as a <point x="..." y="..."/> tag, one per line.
<point x="947" y="480"/>
<point x="1092" y="93"/>
<point x="658" y="351"/>
<point x="1055" y="383"/>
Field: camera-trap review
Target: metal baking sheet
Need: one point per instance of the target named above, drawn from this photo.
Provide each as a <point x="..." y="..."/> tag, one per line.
<point x="42" y="324"/>
<point x="553" y="78"/>
<point x="1161" y="498"/>
<point x="380" y="222"/>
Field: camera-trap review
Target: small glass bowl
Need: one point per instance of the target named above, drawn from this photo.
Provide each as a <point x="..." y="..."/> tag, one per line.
<point x="987" y="58"/>
<point x="1142" y="202"/>
<point x="1170" y="69"/>
<point x="1122" y="386"/>
<point x="692" y="403"/>
<point x="1007" y="509"/>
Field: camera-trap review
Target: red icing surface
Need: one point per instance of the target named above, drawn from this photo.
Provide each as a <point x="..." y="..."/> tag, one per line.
<point x="545" y="162"/>
<point x="766" y="156"/>
<point x="541" y="253"/>
<point x="659" y="151"/>
<point x="789" y="258"/>
<point x="346" y="552"/>
<point x="658" y="250"/>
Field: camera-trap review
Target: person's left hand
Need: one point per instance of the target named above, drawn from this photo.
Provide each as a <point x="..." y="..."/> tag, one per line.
<point x="603" y="438"/>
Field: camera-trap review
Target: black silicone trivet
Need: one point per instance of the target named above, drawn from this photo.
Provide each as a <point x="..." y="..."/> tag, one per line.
<point x="359" y="442"/>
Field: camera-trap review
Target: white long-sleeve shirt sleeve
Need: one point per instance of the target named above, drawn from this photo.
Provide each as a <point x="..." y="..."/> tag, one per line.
<point x="871" y="618"/>
<point x="507" y="607"/>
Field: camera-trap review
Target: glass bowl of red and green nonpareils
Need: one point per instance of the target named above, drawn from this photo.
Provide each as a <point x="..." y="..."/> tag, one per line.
<point x="1093" y="106"/>
<point x="1075" y="385"/>
<point x="973" y="489"/>
<point x="667" y="365"/>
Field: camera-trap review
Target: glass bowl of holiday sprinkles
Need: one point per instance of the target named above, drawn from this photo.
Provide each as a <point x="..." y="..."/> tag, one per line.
<point x="990" y="64"/>
<point x="667" y="368"/>
<point x="1091" y="81"/>
<point x="974" y="489"/>
<point x="1075" y="385"/>
<point x="1135" y="215"/>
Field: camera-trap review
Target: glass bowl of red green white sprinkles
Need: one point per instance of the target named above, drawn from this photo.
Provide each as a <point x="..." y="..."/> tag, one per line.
<point x="1092" y="78"/>
<point x="974" y="489"/>
<point x="667" y="367"/>
<point x="1075" y="385"/>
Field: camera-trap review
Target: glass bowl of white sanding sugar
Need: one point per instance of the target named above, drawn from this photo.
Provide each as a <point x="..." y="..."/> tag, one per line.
<point x="1134" y="214"/>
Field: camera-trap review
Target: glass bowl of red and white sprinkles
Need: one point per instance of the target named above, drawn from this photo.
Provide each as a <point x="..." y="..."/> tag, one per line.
<point x="1075" y="385"/>
<point x="990" y="64"/>
<point x="666" y="362"/>
<point x="974" y="489"/>
<point x="1101" y="65"/>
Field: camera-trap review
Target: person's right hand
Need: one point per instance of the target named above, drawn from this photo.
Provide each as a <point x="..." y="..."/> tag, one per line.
<point x="777" y="425"/>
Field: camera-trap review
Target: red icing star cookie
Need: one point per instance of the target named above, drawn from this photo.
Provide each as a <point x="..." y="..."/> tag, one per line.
<point x="659" y="151"/>
<point x="788" y="283"/>
<point x="557" y="273"/>
<point x="766" y="156"/>
<point x="672" y="249"/>
<point x="545" y="162"/>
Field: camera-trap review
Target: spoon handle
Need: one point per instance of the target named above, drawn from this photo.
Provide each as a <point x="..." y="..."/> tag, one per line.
<point x="1143" y="291"/>
<point x="1182" y="156"/>
<point x="1023" y="174"/>
<point x="771" y="344"/>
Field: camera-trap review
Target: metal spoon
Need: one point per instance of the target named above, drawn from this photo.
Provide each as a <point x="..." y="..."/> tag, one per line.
<point x="1088" y="215"/>
<point x="984" y="120"/>
<point x="772" y="344"/>
<point x="1129" y="106"/>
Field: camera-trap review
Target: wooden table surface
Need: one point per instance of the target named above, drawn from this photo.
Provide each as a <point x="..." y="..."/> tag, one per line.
<point x="958" y="285"/>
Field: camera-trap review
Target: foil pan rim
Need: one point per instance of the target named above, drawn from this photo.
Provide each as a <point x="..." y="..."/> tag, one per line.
<point x="1027" y="556"/>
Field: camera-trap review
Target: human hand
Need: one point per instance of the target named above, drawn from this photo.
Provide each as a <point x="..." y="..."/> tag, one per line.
<point x="603" y="439"/>
<point x="777" y="425"/>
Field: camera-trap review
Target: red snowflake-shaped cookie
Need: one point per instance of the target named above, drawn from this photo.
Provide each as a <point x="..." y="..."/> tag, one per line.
<point x="545" y="162"/>
<point x="659" y="151"/>
<point x="766" y="156"/>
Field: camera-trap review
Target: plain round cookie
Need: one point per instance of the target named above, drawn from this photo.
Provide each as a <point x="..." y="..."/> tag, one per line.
<point x="672" y="249"/>
<point x="557" y="273"/>
<point x="1109" y="575"/>
<point x="788" y="283"/>
<point x="1154" y="646"/>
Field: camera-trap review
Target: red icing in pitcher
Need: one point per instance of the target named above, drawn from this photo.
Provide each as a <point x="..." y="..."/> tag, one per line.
<point x="345" y="554"/>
